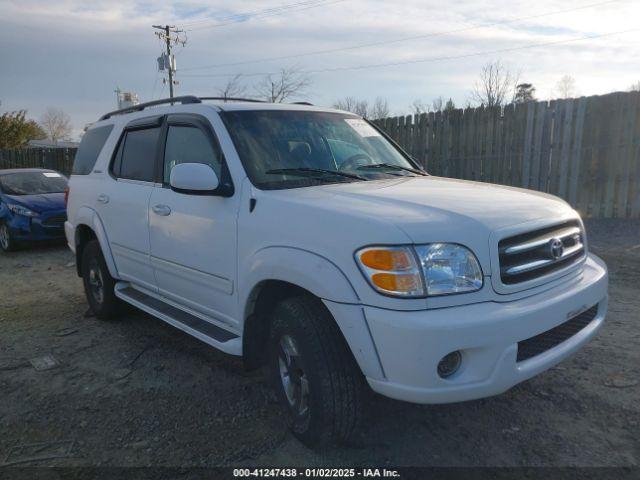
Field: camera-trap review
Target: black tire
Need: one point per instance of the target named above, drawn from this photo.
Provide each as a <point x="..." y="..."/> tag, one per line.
<point x="334" y="382"/>
<point x="7" y="243"/>
<point x="95" y="276"/>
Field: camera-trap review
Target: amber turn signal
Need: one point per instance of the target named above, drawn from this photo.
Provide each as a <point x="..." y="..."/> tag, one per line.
<point x="394" y="282"/>
<point x="388" y="260"/>
<point x="392" y="270"/>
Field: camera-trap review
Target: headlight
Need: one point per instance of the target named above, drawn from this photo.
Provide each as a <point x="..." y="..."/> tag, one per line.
<point x="433" y="269"/>
<point x="19" y="210"/>
<point x="449" y="268"/>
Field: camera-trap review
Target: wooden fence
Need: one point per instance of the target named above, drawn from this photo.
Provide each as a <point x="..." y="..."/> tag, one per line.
<point x="585" y="150"/>
<point x="60" y="159"/>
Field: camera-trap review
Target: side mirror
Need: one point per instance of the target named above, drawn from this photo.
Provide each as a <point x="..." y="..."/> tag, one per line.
<point x="193" y="178"/>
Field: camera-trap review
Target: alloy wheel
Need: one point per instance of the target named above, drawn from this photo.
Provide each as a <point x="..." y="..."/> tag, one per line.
<point x="96" y="282"/>
<point x="294" y="380"/>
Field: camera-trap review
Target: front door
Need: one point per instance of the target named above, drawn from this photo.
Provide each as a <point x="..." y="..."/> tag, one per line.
<point x="193" y="237"/>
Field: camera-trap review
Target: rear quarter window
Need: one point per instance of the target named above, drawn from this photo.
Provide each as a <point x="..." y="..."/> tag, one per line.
<point x="89" y="149"/>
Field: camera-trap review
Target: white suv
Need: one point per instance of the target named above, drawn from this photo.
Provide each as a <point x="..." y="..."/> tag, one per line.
<point x="305" y="239"/>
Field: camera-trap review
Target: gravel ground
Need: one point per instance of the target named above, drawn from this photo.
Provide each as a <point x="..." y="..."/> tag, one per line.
<point x="137" y="392"/>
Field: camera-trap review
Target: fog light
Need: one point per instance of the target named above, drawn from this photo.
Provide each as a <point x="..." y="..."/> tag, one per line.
<point x="449" y="364"/>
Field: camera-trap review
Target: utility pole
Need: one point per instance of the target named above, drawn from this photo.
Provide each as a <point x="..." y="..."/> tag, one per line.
<point x="165" y="34"/>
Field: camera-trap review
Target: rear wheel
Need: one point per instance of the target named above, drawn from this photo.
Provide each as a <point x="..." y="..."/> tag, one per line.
<point x="98" y="282"/>
<point x="314" y="373"/>
<point x="7" y="243"/>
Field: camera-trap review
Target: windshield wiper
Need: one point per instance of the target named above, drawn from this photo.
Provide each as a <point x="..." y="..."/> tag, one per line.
<point x="305" y="170"/>
<point x="393" y="167"/>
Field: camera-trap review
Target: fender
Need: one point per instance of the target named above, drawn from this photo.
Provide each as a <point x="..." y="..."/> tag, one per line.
<point x="89" y="217"/>
<point x="303" y="268"/>
<point x="325" y="280"/>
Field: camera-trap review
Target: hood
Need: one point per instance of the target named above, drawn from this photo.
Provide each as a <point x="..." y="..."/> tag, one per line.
<point x="443" y="199"/>
<point x="434" y="209"/>
<point x="39" y="203"/>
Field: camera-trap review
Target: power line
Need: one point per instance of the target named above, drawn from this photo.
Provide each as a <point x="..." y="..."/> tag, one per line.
<point x="477" y="54"/>
<point x="401" y="39"/>
<point x="157" y="76"/>
<point x="243" y="15"/>
<point x="427" y="60"/>
<point x="267" y="13"/>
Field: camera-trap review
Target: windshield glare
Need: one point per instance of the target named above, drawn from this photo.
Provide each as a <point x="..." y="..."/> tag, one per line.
<point x="274" y="144"/>
<point x="32" y="183"/>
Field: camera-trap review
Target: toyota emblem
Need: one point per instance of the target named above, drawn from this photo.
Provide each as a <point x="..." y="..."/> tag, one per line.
<point x="556" y="248"/>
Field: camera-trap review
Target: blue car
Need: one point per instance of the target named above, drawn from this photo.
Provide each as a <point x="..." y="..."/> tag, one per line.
<point x="32" y="206"/>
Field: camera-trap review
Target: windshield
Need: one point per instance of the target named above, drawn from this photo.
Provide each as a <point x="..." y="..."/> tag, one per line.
<point x="32" y="183"/>
<point x="287" y="149"/>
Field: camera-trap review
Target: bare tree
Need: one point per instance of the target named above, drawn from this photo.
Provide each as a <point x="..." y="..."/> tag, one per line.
<point x="438" y="104"/>
<point x="56" y="124"/>
<point x="495" y="86"/>
<point x="288" y="84"/>
<point x="353" y="105"/>
<point x="418" y="107"/>
<point x="635" y="87"/>
<point x="566" y="87"/>
<point x="379" y="109"/>
<point x="233" y="88"/>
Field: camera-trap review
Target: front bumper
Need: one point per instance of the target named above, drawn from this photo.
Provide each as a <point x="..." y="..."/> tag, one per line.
<point x="46" y="226"/>
<point x="411" y="344"/>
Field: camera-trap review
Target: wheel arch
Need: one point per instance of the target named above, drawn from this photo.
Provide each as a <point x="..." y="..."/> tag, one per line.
<point x="280" y="272"/>
<point x="261" y="301"/>
<point x="89" y="227"/>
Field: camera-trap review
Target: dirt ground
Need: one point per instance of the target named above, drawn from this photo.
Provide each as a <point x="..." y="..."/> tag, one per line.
<point x="137" y="392"/>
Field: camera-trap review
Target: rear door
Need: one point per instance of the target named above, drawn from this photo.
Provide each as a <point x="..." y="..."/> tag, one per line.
<point x="123" y="200"/>
<point x="193" y="237"/>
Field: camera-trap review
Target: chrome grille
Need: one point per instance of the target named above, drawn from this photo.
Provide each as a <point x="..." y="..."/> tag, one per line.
<point x="540" y="252"/>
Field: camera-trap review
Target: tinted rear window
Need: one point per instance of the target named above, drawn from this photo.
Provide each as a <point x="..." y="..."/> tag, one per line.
<point x="139" y="154"/>
<point x="89" y="149"/>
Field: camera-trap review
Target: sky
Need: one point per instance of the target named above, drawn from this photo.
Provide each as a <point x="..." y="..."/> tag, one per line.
<point x="72" y="54"/>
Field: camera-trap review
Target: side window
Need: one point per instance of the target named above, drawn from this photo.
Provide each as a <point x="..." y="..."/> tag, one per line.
<point x="189" y="145"/>
<point x="89" y="149"/>
<point x="138" y="158"/>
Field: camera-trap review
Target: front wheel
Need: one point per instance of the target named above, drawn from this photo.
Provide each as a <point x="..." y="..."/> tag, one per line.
<point x="7" y="243"/>
<point x="314" y="373"/>
<point x="98" y="283"/>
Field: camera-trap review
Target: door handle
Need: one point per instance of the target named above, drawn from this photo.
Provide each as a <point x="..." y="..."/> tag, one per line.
<point x="102" y="198"/>
<point x="162" y="210"/>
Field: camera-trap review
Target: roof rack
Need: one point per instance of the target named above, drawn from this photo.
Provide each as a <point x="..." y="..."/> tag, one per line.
<point x="141" y="106"/>
<point x="186" y="99"/>
<point x="233" y="99"/>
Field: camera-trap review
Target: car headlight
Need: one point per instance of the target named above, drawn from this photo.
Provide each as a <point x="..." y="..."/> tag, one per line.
<point x="20" y="210"/>
<point x="432" y="269"/>
<point x="449" y="268"/>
